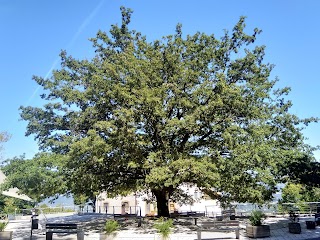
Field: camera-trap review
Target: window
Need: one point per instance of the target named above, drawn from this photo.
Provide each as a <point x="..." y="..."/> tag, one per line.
<point x="125" y="207"/>
<point x="106" y="205"/>
<point x="196" y="196"/>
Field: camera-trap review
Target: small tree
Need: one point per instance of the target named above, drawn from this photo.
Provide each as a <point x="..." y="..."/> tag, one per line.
<point x="291" y="193"/>
<point x="296" y="193"/>
<point x="9" y="206"/>
<point x="38" y="178"/>
<point x="81" y="200"/>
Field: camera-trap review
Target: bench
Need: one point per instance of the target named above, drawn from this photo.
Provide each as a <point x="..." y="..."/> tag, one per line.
<point x="193" y="216"/>
<point x="126" y="215"/>
<point x="228" y="213"/>
<point x="219" y="226"/>
<point x="187" y="214"/>
<point x="63" y="228"/>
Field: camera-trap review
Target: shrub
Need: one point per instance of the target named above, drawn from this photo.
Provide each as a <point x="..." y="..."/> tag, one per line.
<point x="256" y="218"/>
<point x="164" y="227"/>
<point x="111" y="227"/>
<point x="3" y="226"/>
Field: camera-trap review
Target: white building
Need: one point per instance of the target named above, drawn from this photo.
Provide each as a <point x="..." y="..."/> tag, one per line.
<point x="134" y="204"/>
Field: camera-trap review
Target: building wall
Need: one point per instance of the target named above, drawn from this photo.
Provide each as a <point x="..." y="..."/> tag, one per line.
<point x="132" y="204"/>
<point x="118" y="205"/>
<point x="202" y="202"/>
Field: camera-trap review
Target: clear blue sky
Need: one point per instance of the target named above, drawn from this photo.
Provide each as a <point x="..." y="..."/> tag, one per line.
<point x="33" y="32"/>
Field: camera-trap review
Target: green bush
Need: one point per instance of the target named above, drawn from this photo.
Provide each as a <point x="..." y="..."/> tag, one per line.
<point x="111" y="227"/>
<point x="3" y="226"/>
<point x="164" y="227"/>
<point x="256" y="218"/>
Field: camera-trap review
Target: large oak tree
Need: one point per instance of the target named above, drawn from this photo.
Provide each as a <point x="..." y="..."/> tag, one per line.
<point x="184" y="109"/>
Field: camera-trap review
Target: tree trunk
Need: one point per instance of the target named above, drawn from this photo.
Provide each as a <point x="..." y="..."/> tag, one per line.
<point x="162" y="202"/>
<point x="94" y="199"/>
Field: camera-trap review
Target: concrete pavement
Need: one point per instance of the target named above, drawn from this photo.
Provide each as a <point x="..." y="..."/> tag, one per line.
<point x="92" y="225"/>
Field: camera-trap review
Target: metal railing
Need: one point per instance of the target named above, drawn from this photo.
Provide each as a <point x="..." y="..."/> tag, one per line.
<point x="245" y="209"/>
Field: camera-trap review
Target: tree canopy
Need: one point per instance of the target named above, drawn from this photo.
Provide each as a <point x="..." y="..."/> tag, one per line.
<point x="38" y="178"/>
<point x="303" y="170"/>
<point x="9" y="204"/>
<point x="44" y="176"/>
<point x="184" y="109"/>
<point x="298" y="193"/>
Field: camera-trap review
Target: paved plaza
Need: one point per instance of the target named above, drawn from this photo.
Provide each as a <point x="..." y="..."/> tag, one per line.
<point x="92" y="225"/>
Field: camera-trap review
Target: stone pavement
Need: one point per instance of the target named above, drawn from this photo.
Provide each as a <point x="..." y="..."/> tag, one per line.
<point x="92" y="223"/>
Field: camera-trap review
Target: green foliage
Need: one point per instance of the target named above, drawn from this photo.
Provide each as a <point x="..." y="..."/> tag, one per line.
<point x="291" y="193"/>
<point x="164" y="227"/>
<point x="311" y="194"/>
<point x="57" y="209"/>
<point x="256" y="218"/>
<point x="9" y="206"/>
<point x="3" y="226"/>
<point x="304" y="169"/>
<point x="192" y="109"/>
<point x="299" y="193"/>
<point x="111" y="227"/>
<point x="44" y="176"/>
<point x="37" y="178"/>
<point x="43" y="205"/>
<point x="80" y="199"/>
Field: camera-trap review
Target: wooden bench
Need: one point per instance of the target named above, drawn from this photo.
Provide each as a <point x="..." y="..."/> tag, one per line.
<point x="127" y="215"/>
<point x="228" y="213"/>
<point x="193" y="216"/>
<point x="219" y="226"/>
<point x="63" y="228"/>
<point x="187" y="214"/>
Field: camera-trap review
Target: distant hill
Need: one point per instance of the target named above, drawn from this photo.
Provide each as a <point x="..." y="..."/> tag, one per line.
<point x="62" y="200"/>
